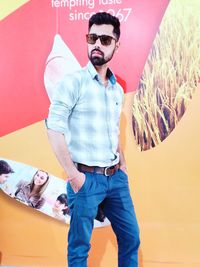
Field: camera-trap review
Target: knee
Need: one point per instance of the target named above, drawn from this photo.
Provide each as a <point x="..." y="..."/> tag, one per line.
<point x="134" y="240"/>
<point x="131" y="240"/>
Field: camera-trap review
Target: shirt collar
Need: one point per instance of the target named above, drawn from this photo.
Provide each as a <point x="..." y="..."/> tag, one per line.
<point x="95" y="75"/>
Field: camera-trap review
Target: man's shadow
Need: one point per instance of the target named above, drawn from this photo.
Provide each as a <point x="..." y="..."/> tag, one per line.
<point x="101" y="237"/>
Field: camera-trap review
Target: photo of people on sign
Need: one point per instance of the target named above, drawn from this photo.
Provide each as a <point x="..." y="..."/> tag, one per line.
<point x="38" y="189"/>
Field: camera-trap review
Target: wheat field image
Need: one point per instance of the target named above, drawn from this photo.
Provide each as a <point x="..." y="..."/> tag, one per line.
<point x="170" y="75"/>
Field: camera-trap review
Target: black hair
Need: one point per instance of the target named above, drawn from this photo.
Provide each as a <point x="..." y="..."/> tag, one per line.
<point x="63" y="200"/>
<point x="105" y="18"/>
<point x="5" y="168"/>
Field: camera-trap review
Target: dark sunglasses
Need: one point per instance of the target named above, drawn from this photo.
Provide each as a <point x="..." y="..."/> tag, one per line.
<point x="105" y="40"/>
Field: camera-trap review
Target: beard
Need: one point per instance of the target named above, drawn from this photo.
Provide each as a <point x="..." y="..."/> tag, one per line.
<point x="99" y="60"/>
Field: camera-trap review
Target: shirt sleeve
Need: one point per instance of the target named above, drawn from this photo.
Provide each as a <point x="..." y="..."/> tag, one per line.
<point x="19" y="186"/>
<point x="64" y="99"/>
<point x="122" y="94"/>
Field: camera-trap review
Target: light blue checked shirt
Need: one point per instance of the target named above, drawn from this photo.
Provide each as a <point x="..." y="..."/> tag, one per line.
<point x="88" y="114"/>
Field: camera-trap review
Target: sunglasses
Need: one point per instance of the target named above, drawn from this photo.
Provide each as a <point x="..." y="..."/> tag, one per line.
<point x="105" y="40"/>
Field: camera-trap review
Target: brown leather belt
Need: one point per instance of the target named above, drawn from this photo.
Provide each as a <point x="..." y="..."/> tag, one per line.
<point x="107" y="171"/>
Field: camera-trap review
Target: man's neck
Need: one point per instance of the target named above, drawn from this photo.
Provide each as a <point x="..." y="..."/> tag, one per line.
<point x="102" y="71"/>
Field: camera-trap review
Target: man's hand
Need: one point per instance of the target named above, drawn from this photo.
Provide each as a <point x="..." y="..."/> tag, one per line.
<point x="77" y="181"/>
<point x="122" y="162"/>
<point x="123" y="168"/>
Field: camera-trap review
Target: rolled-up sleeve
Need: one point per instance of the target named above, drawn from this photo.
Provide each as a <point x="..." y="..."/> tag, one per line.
<point x="63" y="100"/>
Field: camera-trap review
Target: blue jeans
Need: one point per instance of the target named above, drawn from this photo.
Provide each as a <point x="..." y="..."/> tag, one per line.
<point x="114" y="195"/>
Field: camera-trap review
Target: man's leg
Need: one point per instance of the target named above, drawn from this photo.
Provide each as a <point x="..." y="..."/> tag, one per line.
<point x="118" y="208"/>
<point x="83" y="206"/>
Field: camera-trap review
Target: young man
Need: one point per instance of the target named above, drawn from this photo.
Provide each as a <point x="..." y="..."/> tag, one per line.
<point x="83" y="128"/>
<point x="5" y="171"/>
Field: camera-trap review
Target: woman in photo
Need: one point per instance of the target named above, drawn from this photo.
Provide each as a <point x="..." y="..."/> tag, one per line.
<point x="60" y="209"/>
<point x="5" y="171"/>
<point x="32" y="193"/>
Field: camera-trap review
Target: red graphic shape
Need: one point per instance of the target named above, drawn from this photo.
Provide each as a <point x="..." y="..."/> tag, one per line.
<point x="26" y="40"/>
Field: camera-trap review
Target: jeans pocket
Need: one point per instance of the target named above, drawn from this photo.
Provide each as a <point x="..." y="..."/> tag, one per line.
<point x="123" y="176"/>
<point x="124" y="173"/>
<point x="81" y="189"/>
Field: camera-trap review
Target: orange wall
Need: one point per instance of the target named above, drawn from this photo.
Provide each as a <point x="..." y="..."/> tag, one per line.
<point x="165" y="187"/>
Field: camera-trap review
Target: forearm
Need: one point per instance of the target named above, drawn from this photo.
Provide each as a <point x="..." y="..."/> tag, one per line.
<point x="58" y="143"/>
<point x="122" y="161"/>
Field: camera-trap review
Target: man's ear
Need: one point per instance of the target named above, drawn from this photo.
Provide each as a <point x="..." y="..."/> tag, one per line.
<point x="117" y="45"/>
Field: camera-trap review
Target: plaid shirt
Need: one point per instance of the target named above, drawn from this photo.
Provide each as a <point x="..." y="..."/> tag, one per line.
<point x="88" y="114"/>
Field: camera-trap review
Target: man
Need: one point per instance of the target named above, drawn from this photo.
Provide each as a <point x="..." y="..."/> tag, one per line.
<point x="5" y="171"/>
<point x="85" y="112"/>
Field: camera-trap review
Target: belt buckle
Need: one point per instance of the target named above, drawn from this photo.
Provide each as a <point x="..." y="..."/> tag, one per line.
<point x="105" y="171"/>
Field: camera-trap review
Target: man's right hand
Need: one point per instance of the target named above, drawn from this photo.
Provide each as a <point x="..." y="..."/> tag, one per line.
<point x="76" y="181"/>
<point x="60" y="148"/>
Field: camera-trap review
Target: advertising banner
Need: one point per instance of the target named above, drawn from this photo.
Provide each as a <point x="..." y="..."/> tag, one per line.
<point x="157" y="65"/>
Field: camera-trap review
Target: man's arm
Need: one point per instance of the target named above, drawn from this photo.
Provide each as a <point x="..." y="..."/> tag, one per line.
<point x="58" y="143"/>
<point x="122" y="162"/>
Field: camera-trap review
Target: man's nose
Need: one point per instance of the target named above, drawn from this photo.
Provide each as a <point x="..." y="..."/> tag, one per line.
<point x="98" y="43"/>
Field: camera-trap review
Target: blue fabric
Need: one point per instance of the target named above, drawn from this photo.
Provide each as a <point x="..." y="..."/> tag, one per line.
<point x="114" y="195"/>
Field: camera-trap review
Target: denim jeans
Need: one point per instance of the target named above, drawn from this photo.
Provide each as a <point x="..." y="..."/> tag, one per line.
<point x="114" y="195"/>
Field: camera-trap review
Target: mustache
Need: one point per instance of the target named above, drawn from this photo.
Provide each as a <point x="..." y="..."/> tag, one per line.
<point x="97" y="50"/>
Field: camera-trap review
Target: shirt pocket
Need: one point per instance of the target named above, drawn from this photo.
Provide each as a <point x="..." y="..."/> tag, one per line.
<point x="116" y="107"/>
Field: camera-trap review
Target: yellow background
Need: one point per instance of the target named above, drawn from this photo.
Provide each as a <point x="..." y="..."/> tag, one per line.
<point x="164" y="183"/>
<point x="8" y="6"/>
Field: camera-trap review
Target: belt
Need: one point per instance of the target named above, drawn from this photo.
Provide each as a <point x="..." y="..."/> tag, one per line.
<point x="107" y="171"/>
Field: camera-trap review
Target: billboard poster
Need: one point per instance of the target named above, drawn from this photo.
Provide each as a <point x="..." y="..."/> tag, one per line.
<point x="158" y="67"/>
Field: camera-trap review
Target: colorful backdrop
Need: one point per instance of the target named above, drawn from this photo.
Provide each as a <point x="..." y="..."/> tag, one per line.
<point x="164" y="179"/>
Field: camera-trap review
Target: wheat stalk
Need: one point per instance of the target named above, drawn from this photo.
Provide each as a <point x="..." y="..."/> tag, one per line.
<point x="170" y="75"/>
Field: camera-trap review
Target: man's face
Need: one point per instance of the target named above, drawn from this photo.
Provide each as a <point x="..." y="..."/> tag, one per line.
<point x="98" y="53"/>
<point x="4" y="177"/>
